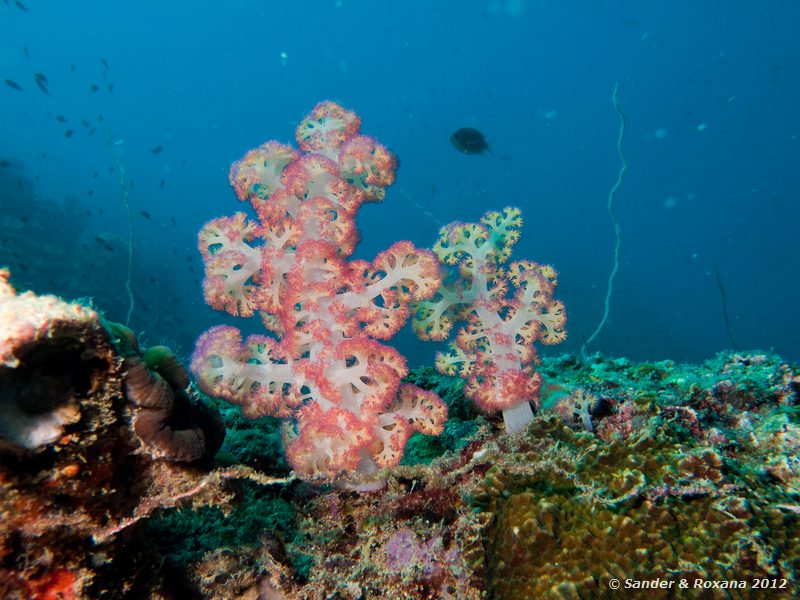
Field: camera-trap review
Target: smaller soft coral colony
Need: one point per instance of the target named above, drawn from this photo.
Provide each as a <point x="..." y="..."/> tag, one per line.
<point x="506" y="309"/>
<point x="347" y="413"/>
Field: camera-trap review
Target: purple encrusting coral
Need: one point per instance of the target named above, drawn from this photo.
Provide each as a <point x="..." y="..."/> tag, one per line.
<point x="408" y="554"/>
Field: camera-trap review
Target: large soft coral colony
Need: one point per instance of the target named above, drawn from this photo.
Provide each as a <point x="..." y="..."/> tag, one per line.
<point x="322" y="369"/>
<point x="506" y="308"/>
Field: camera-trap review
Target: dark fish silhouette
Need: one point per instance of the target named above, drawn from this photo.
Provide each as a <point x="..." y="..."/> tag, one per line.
<point x="162" y="184"/>
<point x="72" y="68"/>
<point x="469" y="141"/>
<point x="13" y="85"/>
<point x="157" y="150"/>
<point x="110" y="88"/>
<point x="145" y="214"/>
<point x="4" y="164"/>
<point x="68" y="133"/>
<point x="41" y="81"/>
<point x="61" y="119"/>
<point x="95" y="88"/>
<point x="25" y="51"/>
<point x="105" y="62"/>
<point x="21" y="6"/>
<point x="104" y="243"/>
<point x="85" y="123"/>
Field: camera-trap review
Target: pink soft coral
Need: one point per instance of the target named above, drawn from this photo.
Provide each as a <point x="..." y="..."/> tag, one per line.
<point x="324" y="372"/>
<point x="507" y="308"/>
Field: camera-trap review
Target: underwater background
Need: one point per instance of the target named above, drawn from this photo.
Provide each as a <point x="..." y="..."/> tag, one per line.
<point x="174" y="92"/>
<point x="651" y="150"/>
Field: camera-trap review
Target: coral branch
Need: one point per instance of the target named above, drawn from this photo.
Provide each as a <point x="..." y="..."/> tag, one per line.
<point x="506" y="308"/>
<point x="324" y="372"/>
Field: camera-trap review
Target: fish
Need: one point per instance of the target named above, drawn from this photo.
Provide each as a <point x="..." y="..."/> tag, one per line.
<point x="21" y="6"/>
<point x="68" y="133"/>
<point x="100" y="211"/>
<point x="85" y="123"/>
<point x="90" y="192"/>
<point x="162" y="184"/>
<point x="61" y="119"/>
<point x="104" y="243"/>
<point x="95" y="88"/>
<point x="41" y="81"/>
<point x="157" y="149"/>
<point x="469" y="141"/>
<point x="72" y="68"/>
<point x="4" y="164"/>
<point x="26" y="52"/>
<point x="145" y="214"/>
<point x="13" y="85"/>
<point x="94" y="175"/>
<point x="110" y="88"/>
<point x="105" y="62"/>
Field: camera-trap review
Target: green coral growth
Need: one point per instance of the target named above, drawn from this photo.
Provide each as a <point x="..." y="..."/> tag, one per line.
<point x="185" y="536"/>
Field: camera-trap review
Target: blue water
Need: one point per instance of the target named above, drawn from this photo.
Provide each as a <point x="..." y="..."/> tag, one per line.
<point x="710" y="91"/>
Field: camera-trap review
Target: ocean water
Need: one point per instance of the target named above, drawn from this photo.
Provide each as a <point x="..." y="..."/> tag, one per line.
<point x="150" y="102"/>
